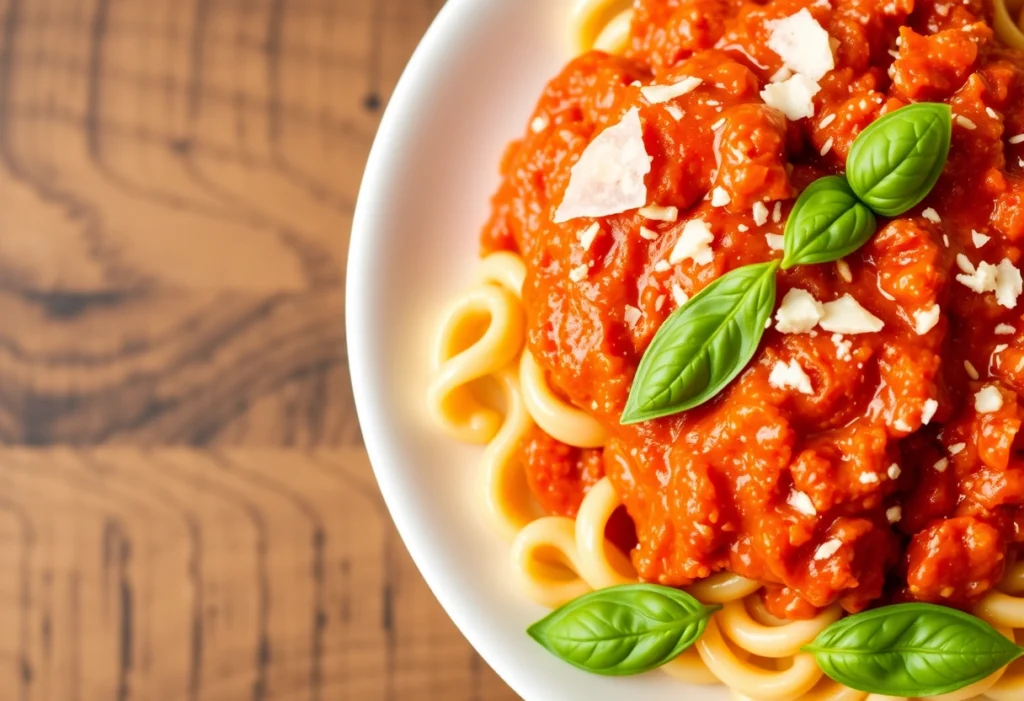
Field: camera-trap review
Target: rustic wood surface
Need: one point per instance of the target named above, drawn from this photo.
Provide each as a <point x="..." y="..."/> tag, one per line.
<point x="186" y="509"/>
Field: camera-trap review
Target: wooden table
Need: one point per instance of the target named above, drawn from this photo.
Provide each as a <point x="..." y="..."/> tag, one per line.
<point x="186" y="509"/>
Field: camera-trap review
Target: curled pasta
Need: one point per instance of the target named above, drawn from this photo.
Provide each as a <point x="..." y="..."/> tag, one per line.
<point x="783" y="640"/>
<point x="757" y="682"/>
<point x="601" y="563"/>
<point x="722" y="587"/>
<point x="558" y="418"/>
<point x="602" y="24"/>
<point x="546" y="562"/>
<point x="507" y="497"/>
<point x="482" y="332"/>
<point x="1008" y="22"/>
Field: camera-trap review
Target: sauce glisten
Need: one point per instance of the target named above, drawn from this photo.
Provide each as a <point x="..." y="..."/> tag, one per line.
<point x="707" y="489"/>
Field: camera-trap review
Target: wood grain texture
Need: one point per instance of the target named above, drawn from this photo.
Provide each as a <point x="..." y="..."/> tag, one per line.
<point x="186" y="509"/>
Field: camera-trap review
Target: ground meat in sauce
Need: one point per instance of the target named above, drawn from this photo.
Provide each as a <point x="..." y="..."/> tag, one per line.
<point x="707" y="490"/>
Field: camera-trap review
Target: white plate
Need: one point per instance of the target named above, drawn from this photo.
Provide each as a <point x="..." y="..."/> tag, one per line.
<point x="469" y="88"/>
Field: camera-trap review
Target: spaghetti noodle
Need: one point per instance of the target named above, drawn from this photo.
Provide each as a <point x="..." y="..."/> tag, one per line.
<point x="557" y="558"/>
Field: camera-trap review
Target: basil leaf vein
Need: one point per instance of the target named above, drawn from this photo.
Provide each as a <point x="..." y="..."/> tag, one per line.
<point x="704" y="344"/>
<point x="827" y="223"/>
<point x="623" y="630"/>
<point x="896" y="161"/>
<point x="911" y="650"/>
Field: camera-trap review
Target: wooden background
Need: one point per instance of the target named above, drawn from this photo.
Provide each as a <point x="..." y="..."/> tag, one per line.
<point x="186" y="509"/>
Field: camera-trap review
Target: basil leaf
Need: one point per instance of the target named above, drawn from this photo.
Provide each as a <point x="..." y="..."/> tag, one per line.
<point x="895" y="162"/>
<point x="623" y="630"/>
<point x="704" y="344"/>
<point x="911" y="650"/>
<point x="827" y="223"/>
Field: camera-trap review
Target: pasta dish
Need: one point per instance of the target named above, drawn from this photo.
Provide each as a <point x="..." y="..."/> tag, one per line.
<point x="746" y="329"/>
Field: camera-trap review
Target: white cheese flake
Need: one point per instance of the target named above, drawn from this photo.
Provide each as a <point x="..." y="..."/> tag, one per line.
<point x="777" y="212"/>
<point x="657" y="94"/>
<point x="931" y="215"/>
<point x="829" y="548"/>
<point x="678" y="295"/>
<point x="742" y="228"/>
<point x="972" y="372"/>
<point x="980" y="280"/>
<point x="799" y="312"/>
<point x="894" y="471"/>
<point x="926" y="319"/>
<point x="991" y="113"/>
<point x="802" y="44"/>
<point x="957" y="448"/>
<point x="988" y="400"/>
<point x="674" y="112"/>
<point x="539" y="124"/>
<point x="801" y="503"/>
<point x="793" y="97"/>
<point x="846" y="315"/>
<point x="941" y="464"/>
<point x="868" y="478"/>
<point x="964" y="263"/>
<point x="979" y="238"/>
<point x="1005" y="330"/>
<point x="843" y="347"/>
<point x="760" y="212"/>
<point x="718" y="125"/>
<point x="631" y="315"/>
<point x="656" y="213"/>
<point x="662" y="266"/>
<point x="659" y="303"/>
<point x="893" y="514"/>
<point x="693" y="244"/>
<point x="790" y="376"/>
<point x="720" y="197"/>
<point x="649" y="234"/>
<point x="826" y="147"/>
<point x="579" y="273"/>
<point x="776" y="242"/>
<point x="945" y="240"/>
<point x="928" y="411"/>
<point x="1009" y="284"/>
<point x="965" y="122"/>
<point x="588" y="235"/>
<point x="1017" y="139"/>
<point x="609" y="176"/>
<point x="827" y="120"/>
<point x="780" y="75"/>
<point x="843" y="268"/>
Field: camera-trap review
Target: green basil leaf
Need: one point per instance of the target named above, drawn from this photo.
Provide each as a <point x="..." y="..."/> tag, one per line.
<point x="896" y="161"/>
<point x="623" y="630"/>
<point x="704" y="344"/>
<point x="827" y="223"/>
<point x="911" y="650"/>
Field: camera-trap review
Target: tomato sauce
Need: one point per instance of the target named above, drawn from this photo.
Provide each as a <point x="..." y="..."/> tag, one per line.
<point x="923" y="512"/>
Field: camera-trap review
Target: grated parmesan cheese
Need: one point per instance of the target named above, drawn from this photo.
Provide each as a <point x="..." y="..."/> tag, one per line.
<point x="893" y="514"/>
<point x="894" y="471"/>
<point x="790" y="376"/>
<point x="649" y="234"/>
<point x="931" y="215"/>
<point x="588" y="235"/>
<point x="1009" y="284"/>
<point x="802" y="44"/>
<point x="827" y="549"/>
<point x="657" y="94"/>
<point x="609" y="176"/>
<point x="842" y="347"/>
<point x="539" y="124"/>
<point x="846" y="315"/>
<point x="799" y="312"/>
<point x="965" y="122"/>
<point x="868" y="478"/>
<point x="826" y="147"/>
<point x="957" y="448"/>
<point x="979" y="238"/>
<point x="656" y="213"/>
<point x="720" y="197"/>
<point x="801" y="503"/>
<point x="1005" y="330"/>
<point x="777" y="212"/>
<point x="941" y="464"/>
<point x="793" y="97"/>
<point x="971" y="371"/>
<point x="926" y="319"/>
<point x="1017" y="139"/>
<point x="760" y="212"/>
<point x="928" y="411"/>
<point x="827" y="120"/>
<point x="988" y="400"/>
<point x="579" y="273"/>
<point x="776" y="242"/>
<point x="662" y="266"/>
<point x="678" y="295"/>
<point x="631" y="315"/>
<point x="843" y="268"/>
<point x="693" y="244"/>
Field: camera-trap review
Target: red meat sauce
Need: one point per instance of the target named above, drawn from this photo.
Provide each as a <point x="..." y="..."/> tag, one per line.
<point x="707" y="489"/>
